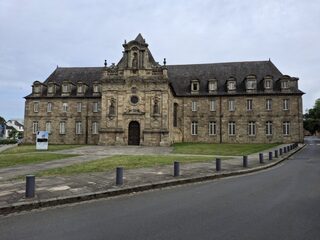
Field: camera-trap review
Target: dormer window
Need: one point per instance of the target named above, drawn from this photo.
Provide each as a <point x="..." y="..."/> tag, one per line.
<point x="267" y="83"/>
<point x="50" y="88"/>
<point x="231" y="84"/>
<point x="251" y="84"/>
<point x="285" y="84"/>
<point x="37" y="89"/>
<point x="195" y="86"/>
<point x="212" y="85"/>
<point x="80" y="88"/>
<point x="65" y="88"/>
<point x="96" y="88"/>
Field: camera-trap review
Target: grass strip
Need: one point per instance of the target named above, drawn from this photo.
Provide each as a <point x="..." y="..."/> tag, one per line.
<point x="9" y="160"/>
<point x="221" y="149"/>
<point x="32" y="148"/>
<point x="128" y="162"/>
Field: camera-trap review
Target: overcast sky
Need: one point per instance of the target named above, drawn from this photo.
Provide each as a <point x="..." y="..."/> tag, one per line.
<point x="38" y="35"/>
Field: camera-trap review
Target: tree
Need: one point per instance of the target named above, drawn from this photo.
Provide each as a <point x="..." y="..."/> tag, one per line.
<point x="311" y="119"/>
<point x="2" y="120"/>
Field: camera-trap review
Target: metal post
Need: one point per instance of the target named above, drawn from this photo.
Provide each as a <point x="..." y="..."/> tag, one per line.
<point x="280" y="150"/>
<point x="270" y="156"/>
<point x="276" y="153"/>
<point x="119" y="176"/>
<point x="245" y="161"/>
<point x="261" y="157"/>
<point x="30" y="186"/>
<point x="218" y="164"/>
<point x="284" y="150"/>
<point x="176" y="169"/>
<point x="288" y="149"/>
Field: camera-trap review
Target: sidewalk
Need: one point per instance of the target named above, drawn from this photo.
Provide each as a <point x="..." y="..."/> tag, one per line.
<point x="52" y="191"/>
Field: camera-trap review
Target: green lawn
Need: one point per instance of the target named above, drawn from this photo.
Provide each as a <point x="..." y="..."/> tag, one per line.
<point x="8" y="160"/>
<point x="221" y="149"/>
<point x="32" y="148"/>
<point x="124" y="161"/>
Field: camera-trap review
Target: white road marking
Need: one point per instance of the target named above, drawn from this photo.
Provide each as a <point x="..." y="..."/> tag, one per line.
<point x="59" y="188"/>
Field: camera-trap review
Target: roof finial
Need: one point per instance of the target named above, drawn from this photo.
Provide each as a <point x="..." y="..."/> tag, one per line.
<point x="164" y="61"/>
<point x="105" y="63"/>
<point x="125" y="41"/>
<point x="269" y="60"/>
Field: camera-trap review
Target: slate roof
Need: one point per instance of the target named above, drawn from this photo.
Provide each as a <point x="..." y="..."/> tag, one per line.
<point x="180" y="76"/>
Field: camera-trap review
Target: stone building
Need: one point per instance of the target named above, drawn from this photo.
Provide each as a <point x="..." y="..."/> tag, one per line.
<point x="140" y="102"/>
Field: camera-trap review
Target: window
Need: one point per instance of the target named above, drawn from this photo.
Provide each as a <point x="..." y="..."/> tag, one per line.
<point x="285" y="104"/>
<point x="50" y="89"/>
<point x="212" y="85"/>
<point x="78" y="128"/>
<point x="268" y="128"/>
<point x="49" y="107"/>
<point x="249" y="104"/>
<point x="36" y="89"/>
<point x="212" y="105"/>
<point x="94" y="128"/>
<point x="194" y="86"/>
<point x="194" y="106"/>
<point x="212" y="128"/>
<point x="269" y="104"/>
<point x="95" y="107"/>
<point x="36" y="107"/>
<point x="65" y="88"/>
<point x="80" y="88"/>
<point x="284" y="84"/>
<point x="231" y="85"/>
<point x="175" y="114"/>
<point x="35" y="127"/>
<point x="251" y="128"/>
<point x="48" y="127"/>
<point x="95" y="88"/>
<point x="232" y="128"/>
<point x="286" y="128"/>
<point x="267" y="84"/>
<point x="251" y="84"/>
<point x="79" y="107"/>
<point x="194" y="128"/>
<point x="231" y="105"/>
<point x="134" y="99"/>
<point x="64" y="107"/>
<point x="62" y="128"/>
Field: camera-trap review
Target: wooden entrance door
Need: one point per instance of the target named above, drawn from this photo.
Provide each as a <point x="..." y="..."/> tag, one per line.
<point x="134" y="133"/>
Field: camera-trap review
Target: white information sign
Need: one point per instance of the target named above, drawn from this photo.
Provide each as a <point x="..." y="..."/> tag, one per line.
<point x="42" y="140"/>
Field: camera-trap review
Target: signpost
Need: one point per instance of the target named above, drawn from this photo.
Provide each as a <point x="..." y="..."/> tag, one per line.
<point x="42" y="140"/>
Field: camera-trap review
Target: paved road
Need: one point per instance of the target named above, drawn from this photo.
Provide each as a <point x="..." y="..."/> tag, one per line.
<point x="281" y="203"/>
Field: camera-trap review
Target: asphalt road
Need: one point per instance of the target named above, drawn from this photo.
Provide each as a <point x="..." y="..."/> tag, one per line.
<point x="280" y="203"/>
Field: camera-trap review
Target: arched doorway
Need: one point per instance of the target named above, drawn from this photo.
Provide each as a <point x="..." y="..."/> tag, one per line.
<point x="134" y="133"/>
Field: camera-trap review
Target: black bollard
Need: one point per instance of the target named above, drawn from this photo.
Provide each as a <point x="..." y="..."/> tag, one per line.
<point x="284" y="150"/>
<point x="218" y="164"/>
<point x="280" y="150"/>
<point x="176" y="169"/>
<point x="245" y="161"/>
<point x="119" y="175"/>
<point x="270" y="156"/>
<point x="288" y="149"/>
<point x="30" y="186"/>
<point x="275" y="153"/>
<point x="261" y="157"/>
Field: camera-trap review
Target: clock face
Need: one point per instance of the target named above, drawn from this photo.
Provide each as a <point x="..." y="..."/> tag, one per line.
<point x="134" y="99"/>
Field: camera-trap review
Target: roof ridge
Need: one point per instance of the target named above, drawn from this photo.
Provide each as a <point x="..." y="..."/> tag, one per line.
<point x="194" y="64"/>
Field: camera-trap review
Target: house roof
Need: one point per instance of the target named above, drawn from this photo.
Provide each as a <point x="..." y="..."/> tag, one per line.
<point x="180" y="76"/>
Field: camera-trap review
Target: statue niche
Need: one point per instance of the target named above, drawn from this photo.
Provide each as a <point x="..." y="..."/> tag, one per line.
<point x="135" y="60"/>
<point x="156" y="110"/>
<point x="112" y="110"/>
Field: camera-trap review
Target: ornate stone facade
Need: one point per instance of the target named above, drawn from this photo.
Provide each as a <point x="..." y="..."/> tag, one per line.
<point x="140" y="102"/>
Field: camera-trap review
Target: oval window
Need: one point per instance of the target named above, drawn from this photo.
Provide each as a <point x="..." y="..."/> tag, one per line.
<point x="134" y="99"/>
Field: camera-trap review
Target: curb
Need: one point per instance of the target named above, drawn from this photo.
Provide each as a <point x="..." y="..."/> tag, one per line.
<point x="18" y="207"/>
